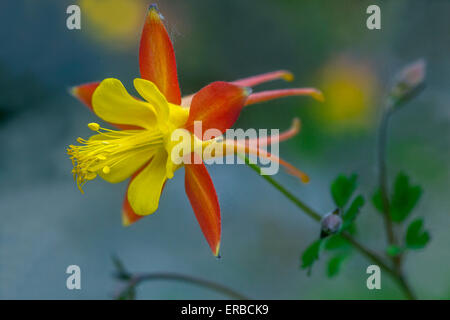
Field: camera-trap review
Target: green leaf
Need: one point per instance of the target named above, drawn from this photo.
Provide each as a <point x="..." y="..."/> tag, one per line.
<point x="351" y="229"/>
<point x="334" y="265"/>
<point x="336" y="242"/>
<point x="404" y="198"/>
<point x="394" y="250"/>
<point x="416" y="237"/>
<point x="350" y="215"/>
<point x="377" y="201"/>
<point x="342" y="189"/>
<point x="311" y="254"/>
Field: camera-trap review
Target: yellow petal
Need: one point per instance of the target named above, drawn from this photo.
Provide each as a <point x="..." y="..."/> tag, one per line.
<point x="178" y="115"/>
<point x="123" y="169"/>
<point x="150" y="92"/>
<point x="145" y="190"/>
<point x="114" y="104"/>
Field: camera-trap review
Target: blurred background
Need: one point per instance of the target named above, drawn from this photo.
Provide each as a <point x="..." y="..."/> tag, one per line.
<point x="46" y="224"/>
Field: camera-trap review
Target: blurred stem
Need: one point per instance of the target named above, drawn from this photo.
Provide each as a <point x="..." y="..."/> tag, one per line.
<point x="135" y="280"/>
<point x="383" y="181"/>
<point x="382" y="172"/>
<point x="369" y="254"/>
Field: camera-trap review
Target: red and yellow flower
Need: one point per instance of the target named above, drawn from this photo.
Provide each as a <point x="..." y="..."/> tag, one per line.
<point x="140" y="146"/>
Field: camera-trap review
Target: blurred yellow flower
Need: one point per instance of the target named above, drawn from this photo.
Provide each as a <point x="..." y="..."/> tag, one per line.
<point x="350" y="87"/>
<point x="113" y="22"/>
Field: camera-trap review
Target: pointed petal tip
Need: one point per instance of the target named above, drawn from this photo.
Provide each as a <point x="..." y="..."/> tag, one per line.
<point x="153" y="6"/>
<point x="205" y="204"/>
<point x="157" y="58"/>
<point x="153" y="12"/>
<point x="84" y="92"/>
<point x="73" y="91"/>
<point x="125" y="221"/>
<point x="217" y="251"/>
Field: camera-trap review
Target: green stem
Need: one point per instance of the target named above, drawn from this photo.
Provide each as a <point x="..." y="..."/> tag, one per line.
<point x="383" y="181"/>
<point x="309" y="211"/>
<point x="382" y="172"/>
<point x="317" y="217"/>
<point x="138" y="279"/>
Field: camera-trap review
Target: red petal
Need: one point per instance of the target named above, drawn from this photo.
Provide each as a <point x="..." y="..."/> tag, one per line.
<point x="84" y="92"/>
<point x="274" y="94"/>
<point x="217" y="105"/>
<point x="202" y="195"/>
<point x="157" y="58"/>
<point x="265" y="77"/>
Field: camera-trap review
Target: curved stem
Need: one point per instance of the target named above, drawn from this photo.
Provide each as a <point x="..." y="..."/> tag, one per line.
<point x="139" y="278"/>
<point x="358" y="246"/>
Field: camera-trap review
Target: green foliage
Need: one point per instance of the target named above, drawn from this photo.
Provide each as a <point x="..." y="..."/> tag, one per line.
<point x="404" y="198"/>
<point x="336" y="242"/>
<point x="311" y="254"/>
<point x="342" y="246"/>
<point x="334" y="265"/>
<point x="352" y="212"/>
<point x="377" y="200"/>
<point x="416" y="237"/>
<point x="342" y="189"/>
<point x="333" y="243"/>
<point x="394" y="250"/>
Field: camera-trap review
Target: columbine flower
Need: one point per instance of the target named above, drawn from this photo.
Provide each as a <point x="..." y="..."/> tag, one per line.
<point x="142" y="147"/>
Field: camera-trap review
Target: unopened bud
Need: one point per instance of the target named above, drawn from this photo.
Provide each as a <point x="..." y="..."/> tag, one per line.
<point x="331" y="223"/>
<point x="408" y="82"/>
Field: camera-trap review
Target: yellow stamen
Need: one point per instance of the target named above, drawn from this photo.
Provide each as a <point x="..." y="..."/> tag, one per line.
<point x="94" y="126"/>
<point x="105" y="150"/>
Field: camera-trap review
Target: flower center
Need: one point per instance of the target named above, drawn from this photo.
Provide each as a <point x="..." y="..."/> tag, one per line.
<point x="107" y="149"/>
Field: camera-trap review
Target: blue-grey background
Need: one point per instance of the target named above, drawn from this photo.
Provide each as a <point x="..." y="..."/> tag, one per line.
<point x="46" y="224"/>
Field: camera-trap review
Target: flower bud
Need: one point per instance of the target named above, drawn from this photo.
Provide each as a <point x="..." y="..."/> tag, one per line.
<point x="331" y="223"/>
<point x="408" y="82"/>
